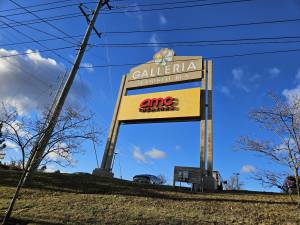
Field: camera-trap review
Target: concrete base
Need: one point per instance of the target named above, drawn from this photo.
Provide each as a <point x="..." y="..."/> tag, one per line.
<point x="197" y="188"/>
<point x="209" y="184"/>
<point x="102" y="173"/>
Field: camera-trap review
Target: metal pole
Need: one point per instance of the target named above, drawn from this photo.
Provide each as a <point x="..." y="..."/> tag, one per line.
<point x="38" y="150"/>
<point x="52" y="122"/>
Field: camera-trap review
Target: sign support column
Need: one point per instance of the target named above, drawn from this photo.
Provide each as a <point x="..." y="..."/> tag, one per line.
<point x="111" y="139"/>
<point x="209" y="122"/>
<point x="203" y="134"/>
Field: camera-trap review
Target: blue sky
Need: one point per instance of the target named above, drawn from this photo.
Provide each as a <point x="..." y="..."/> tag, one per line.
<point x="240" y="83"/>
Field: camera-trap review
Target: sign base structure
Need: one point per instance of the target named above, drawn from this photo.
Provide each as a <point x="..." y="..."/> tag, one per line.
<point x="200" y="182"/>
<point x="102" y="173"/>
<point x="190" y="104"/>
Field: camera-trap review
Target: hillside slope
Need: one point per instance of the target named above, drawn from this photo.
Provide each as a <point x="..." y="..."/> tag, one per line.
<point x="85" y="199"/>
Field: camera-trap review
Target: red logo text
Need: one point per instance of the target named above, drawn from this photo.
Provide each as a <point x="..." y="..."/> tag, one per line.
<point x="157" y="104"/>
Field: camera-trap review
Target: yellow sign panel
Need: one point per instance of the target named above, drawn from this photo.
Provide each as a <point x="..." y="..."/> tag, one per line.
<point x="177" y="104"/>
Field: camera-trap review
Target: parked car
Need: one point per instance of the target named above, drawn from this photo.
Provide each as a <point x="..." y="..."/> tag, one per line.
<point x="289" y="185"/>
<point x="146" y="179"/>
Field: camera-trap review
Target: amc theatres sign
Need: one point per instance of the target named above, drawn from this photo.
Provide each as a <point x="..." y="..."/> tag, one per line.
<point x="157" y="104"/>
<point x="167" y="105"/>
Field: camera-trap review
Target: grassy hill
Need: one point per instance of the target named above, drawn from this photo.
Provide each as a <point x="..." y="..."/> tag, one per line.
<point x="85" y="199"/>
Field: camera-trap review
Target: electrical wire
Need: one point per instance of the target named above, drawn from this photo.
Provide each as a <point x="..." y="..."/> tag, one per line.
<point x="43" y="50"/>
<point x="51" y="18"/>
<point x="188" y="44"/>
<point x="36" y="5"/>
<point x="135" y="64"/>
<point x="46" y="9"/>
<point x="160" y="4"/>
<point x="50" y="24"/>
<point x="209" y="57"/>
<point x="73" y="15"/>
<point x="266" y="22"/>
<point x="178" y="7"/>
<point x="38" y="42"/>
<point x="146" y="43"/>
<point x="114" y="7"/>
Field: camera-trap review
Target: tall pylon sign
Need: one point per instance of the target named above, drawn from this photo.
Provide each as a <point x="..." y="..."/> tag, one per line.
<point x="191" y="104"/>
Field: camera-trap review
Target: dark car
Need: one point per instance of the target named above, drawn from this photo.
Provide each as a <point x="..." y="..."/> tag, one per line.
<point x="146" y="179"/>
<point x="289" y="185"/>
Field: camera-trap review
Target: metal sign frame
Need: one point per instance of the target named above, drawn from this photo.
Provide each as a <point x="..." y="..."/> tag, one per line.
<point x="204" y="74"/>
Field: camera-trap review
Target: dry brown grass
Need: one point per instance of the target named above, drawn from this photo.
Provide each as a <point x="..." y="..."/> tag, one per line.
<point x="82" y="199"/>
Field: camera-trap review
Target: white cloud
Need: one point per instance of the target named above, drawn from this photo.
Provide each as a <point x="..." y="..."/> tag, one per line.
<point x="154" y="40"/>
<point x="274" y="72"/>
<point x="155" y="154"/>
<point x="51" y="168"/>
<point x="292" y="94"/>
<point x="238" y="74"/>
<point x="239" y="79"/>
<point x="11" y="145"/>
<point x="88" y="67"/>
<point x="28" y="81"/>
<point x="162" y="20"/>
<point x="61" y="154"/>
<point x="16" y="126"/>
<point x="248" y="169"/>
<point x="243" y="80"/>
<point x="138" y="155"/>
<point x="255" y="77"/>
<point x="145" y="157"/>
<point x="177" y="147"/>
<point x="298" y="75"/>
<point x="52" y="156"/>
<point x="225" y="90"/>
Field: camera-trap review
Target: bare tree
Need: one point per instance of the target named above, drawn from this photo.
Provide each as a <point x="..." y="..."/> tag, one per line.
<point x="269" y="178"/>
<point x="234" y="183"/>
<point x="2" y="143"/>
<point x="162" y="179"/>
<point x="283" y="120"/>
<point x="73" y="128"/>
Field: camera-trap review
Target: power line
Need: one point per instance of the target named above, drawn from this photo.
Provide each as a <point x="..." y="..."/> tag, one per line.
<point x="26" y="72"/>
<point x="115" y="7"/>
<point x="189" y="44"/>
<point x="36" y="5"/>
<point x="73" y="15"/>
<point x="209" y="57"/>
<point x="199" y="42"/>
<point x="52" y="18"/>
<point x="46" y="9"/>
<point x="205" y="27"/>
<point x="161" y="3"/>
<point x="43" y="50"/>
<point x="135" y="64"/>
<point x="40" y="44"/>
<point x="190" y="28"/>
<point x="180" y="7"/>
<point x="51" y="25"/>
<point x="39" y="30"/>
<point x="253" y="53"/>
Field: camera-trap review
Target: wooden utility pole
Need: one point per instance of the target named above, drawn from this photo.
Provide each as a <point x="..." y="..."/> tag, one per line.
<point x="38" y="150"/>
